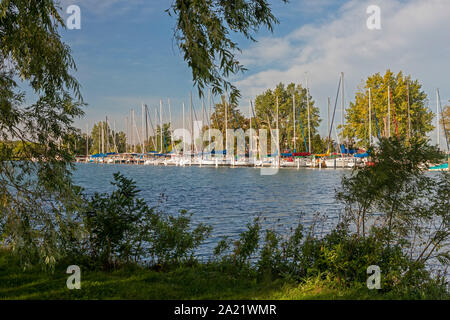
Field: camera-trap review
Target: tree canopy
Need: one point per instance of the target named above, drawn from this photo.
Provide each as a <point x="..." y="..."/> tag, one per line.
<point x="204" y="30"/>
<point x="445" y="122"/>
<point x="405" y="94"/>
<point x="266" y="115"/>
<point x="234" y="117"/>
<point x="113" y="141"/>
<point x="37" y="197"/>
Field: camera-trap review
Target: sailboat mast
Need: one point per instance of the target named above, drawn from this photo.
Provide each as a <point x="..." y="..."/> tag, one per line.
<point x="143" y="129"/>
<point x="309" y="125"/>
<point x="226" y="127"/>
<point x="184" y="135"/>
<point x="127" y="135"/>
<point x="203" y="123"/>
<point x="278" y="138"/>
<point x="114" y="138"/>
<point x="370" y="117"/>
<point x="389" y="111"/>
<point x="210" y="114"/>
<point x="438" y="129"/>
<point x="342" y="108"/>
<point x="409" y="118"/>
<point x="107" y="135"/>
<point x="443" y="123"/>
<point x="130" y="131"/>
<point x="192" y="129"/>
<point x="170" y="125"/>
<point x="146" y="125"/>
<point x="99" y="138"/>
<point x="133" y="121"/>
<point x="103" y="142"/>
<point x="334" y="112"/>
<point x="250" y="137"/>
<point x="156" y="131"/>
<point x="87" y="140"/>
<point x="328" y="117"/>
<point x="161" y="124"/>
<point x="293" y="117"/>
<point x="203" y="114"/>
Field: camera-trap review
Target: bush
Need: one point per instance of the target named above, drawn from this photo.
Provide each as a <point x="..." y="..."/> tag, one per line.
<point x="171" y="241"/>
<point x="236" y="257"/>
<point x="340" y="258"/>
<point x="121" y="228"/>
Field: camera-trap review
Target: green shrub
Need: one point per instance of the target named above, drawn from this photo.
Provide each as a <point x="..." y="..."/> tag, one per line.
<point x="121" y="228"/>
<point x="236" y="257"/>
<point x="171" y="241"/>
<point x="340" y="258"/>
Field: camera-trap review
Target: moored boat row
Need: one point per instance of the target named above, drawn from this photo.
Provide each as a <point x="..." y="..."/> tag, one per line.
<point x="193" y="160"/>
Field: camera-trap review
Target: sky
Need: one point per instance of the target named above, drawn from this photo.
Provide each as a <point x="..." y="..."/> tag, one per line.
<point x="126" y="54"/>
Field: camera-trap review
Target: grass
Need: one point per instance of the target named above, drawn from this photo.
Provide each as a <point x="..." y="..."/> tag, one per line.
<point x="195" y="282"/>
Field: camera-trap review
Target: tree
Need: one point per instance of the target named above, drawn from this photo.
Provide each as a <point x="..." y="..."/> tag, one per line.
<point x="266" y="113"/>
<point x="37" y="197"/>
<point x="419" y="119"/>
<point x="116" y="224"/>
<point x="122" y="228"/>
<point x="121" y="141"/>
<point x="445" y="122"/>
<point x="235" y="118"/>
<point x="166" y="138"/>
<point x="392" y="198"/>
<point x="112" y="141"/>
<point x="76" y="143"/>
<point x="202" y="31"/>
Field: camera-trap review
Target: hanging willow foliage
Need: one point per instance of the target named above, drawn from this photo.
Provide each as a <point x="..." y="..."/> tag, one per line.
<point x="203" y="32"/>
<point x="37" y="196"/>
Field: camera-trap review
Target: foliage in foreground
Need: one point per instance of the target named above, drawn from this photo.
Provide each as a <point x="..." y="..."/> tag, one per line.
<point x="37" y="198"/>
<point x="399" y="203"/>
<point x="195" y="281"/>
<point x="203" y="33"/>
<point x="120" y="228"/>
<point x="396" y="217"/>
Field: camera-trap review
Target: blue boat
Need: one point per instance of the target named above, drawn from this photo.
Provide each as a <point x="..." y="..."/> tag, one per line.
<point x="443" y="166"/>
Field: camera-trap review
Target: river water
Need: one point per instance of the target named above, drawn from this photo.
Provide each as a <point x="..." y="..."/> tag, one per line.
<point x="227" y="198"/>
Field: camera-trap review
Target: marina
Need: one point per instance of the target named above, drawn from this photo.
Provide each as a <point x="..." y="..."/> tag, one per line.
<point x="207" y="138"/>
<point x="288" y="161"/>
<point x="214" y="151"/>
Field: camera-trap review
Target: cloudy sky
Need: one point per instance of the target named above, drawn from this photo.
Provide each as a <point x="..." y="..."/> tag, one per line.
<point x="126" y="54"/>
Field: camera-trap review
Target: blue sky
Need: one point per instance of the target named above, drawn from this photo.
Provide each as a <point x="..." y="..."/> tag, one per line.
<point x="126" y="54"/>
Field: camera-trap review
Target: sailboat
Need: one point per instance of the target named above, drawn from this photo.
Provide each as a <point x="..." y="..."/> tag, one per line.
<point x="443" y="166"/>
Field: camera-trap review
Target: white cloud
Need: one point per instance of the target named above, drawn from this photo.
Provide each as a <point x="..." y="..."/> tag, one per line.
<point x="267" y="50"/>
<point x="414" y="38"/>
